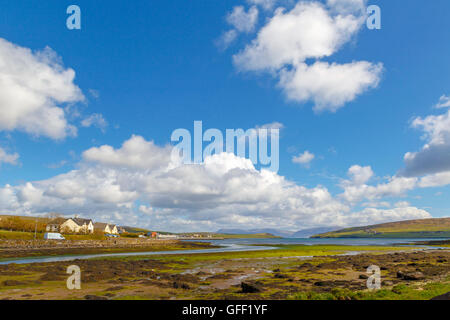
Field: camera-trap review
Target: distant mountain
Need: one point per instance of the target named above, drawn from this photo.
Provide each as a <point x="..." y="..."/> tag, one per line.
<point x="275" y="232"/>
<point x="424" y="228"/>
<point x="306" y="233"/>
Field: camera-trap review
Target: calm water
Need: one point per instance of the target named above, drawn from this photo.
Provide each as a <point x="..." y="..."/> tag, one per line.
<point x="227" y="248"/>
<point x="307" y="241"/>
<point x="229" y="245"/>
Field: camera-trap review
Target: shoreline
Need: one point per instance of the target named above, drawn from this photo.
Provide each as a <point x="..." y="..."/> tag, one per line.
<point x="41" y="248"/>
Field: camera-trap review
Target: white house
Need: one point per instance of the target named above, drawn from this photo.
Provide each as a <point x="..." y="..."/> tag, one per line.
<point x="77" y="225"/>
<point x="114" y="229"/>
<point x="106" y="228"/>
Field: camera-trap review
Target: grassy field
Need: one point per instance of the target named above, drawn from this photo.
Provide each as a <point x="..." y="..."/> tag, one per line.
<point x="18" y="235"/>
<point x="282" y="251"/>
<point x="427" y="228"/>
<point x="398" y="292"/>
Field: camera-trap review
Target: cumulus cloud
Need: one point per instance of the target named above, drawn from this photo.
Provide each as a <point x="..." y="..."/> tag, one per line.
<point x="356" y="189"/>
<point x="435" y="180"/>
<point x="10" y="158"/>
<point x="134" y="153"/>
<point x="360" y="175"/>
<point x="138" y="184"/>
<point x="304" y="159"/>
<point x="435" y="154"/>
<point x="33" y="88"/>
<point x="370" y="216"/>
<point x="312" y="30"/>
<point x="329" y="86"/>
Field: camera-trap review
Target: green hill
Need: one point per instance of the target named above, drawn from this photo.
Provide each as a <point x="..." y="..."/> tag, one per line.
<point x="426" y="228"/>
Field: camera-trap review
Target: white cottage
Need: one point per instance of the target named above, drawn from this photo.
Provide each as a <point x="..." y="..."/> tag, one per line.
<point x="77" y="225"/>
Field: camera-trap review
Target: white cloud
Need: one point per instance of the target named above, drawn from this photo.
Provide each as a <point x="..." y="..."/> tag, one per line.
<point x="435" y="154"/>
<point x="371" y="216"/>
<point x="33" y="86"/>
<point x="134" y="153"/>
<point x="329" y="86"/>
<point x="311" y="30"/>
<point x="435" y="180"/>
<point x="137" y="184"/>
<point x="304" y="159"/>
<point x="357" y="189"/>
<point x="8" y="157"/>
<point x="360" y="175"/>
<point x="444" y="102"/>
<point x="241" y="20"/>
<point x="96" y="120"/>
<point x="377" y="204"/>
<point x="402" y="204"/>
<point x="265" y="4"/>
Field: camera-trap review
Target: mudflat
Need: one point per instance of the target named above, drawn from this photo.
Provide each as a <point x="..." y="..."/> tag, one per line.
<point x="35" y="248"/>
<point x="291" y="272"/>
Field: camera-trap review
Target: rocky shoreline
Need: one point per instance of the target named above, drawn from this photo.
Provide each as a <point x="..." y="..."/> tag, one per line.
<point x="34" y="248"/>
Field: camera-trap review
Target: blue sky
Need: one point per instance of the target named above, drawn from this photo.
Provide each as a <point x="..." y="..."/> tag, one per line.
<point x="151" y="67"/>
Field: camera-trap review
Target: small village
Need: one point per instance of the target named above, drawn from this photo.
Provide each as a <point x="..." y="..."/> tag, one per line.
<point x="57" y="227"/>
<point x="87" y="226"/>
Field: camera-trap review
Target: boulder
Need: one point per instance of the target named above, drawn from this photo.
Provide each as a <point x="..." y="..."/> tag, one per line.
<point x="180" y="285"/>
<point x="414" y="276"/>
<point x="248" y="287"/>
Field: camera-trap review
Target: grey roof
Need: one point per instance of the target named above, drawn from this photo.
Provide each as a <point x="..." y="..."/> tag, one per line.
<point x="100" y="225"/>
<point x="80" y="221"/>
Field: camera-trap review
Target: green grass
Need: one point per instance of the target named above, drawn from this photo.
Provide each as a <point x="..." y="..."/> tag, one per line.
<point x="282" y="251"/>
<point x="426" y="228"/>
<point x="18" y="235"/>
<point x="399" y="292"/>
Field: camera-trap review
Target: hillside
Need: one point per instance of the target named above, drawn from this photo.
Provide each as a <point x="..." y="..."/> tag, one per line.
<point x="274" y="232"/>
<point x="426" y="228"/>
<point x="307" y="233"/>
